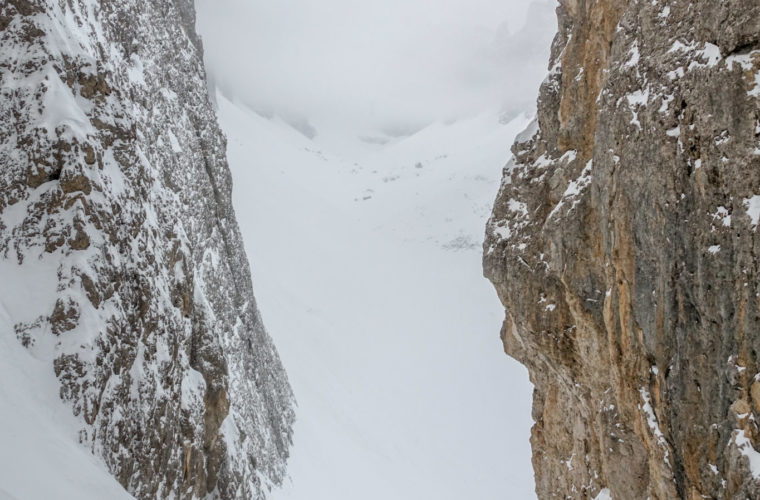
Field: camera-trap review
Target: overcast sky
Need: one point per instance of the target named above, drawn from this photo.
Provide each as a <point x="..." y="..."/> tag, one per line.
<point x="390" y="65"/>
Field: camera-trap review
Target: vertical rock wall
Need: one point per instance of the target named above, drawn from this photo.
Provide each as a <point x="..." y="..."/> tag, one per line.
<point x="121" y="262"/>
<point x="624" y="246"/>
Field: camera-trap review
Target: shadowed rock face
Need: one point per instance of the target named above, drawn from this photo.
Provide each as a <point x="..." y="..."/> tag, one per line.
<point x="115" y="213"/>
<point x="624" y="247"/>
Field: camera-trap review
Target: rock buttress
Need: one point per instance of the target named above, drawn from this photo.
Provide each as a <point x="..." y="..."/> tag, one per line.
<point x="116" y="219"/>
<point x="624" y="246"/>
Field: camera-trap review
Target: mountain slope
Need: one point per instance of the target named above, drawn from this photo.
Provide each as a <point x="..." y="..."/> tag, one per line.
<point x="122" y="263"/>
<point x="41" y="458"/>
<point x="368" y="273"/>
<point x="623" y="245"/>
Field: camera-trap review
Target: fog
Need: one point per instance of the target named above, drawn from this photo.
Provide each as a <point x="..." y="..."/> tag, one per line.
<point x="390" y="66"/>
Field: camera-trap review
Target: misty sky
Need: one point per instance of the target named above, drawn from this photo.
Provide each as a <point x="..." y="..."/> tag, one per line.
<point x="385" y="66"/>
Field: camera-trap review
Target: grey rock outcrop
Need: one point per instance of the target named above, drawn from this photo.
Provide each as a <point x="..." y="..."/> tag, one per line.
<point x="115" y="212"/>
<point x="624" y="246"/>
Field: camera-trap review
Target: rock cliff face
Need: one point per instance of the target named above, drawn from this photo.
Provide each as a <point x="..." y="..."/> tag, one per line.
<point x="624" y="245"/>
<point x="121" y="262"/>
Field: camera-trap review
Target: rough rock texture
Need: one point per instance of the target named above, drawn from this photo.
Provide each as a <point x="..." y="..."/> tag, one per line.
<point x="120" y="258"/>
<point x="624" y="246"/>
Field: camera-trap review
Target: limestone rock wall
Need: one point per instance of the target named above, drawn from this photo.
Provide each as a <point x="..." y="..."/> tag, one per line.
<point x="624" y="246"/>
<point x="120" y="252"/>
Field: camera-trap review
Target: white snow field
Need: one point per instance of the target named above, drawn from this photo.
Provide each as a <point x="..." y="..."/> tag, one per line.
<point x="367" y="271"/>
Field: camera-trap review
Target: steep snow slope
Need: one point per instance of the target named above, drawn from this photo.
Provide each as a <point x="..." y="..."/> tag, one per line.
<point x="368" y="276"/>
<point x="40" y="458"/>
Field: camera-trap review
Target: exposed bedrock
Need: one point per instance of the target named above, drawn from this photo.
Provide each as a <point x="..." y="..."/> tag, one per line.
<point x="624" y="247"/>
